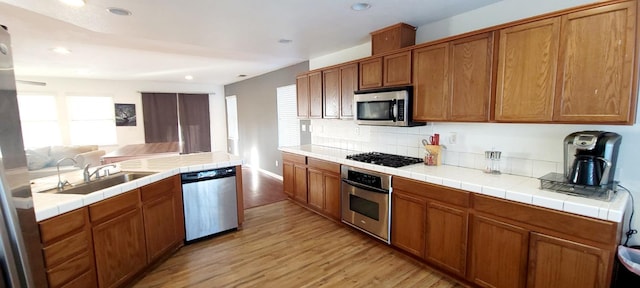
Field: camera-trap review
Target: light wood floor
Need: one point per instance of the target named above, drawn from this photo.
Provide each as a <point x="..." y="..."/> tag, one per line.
<point x="285" y="245"/>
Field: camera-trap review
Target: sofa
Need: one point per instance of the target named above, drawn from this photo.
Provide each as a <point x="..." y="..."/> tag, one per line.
<point x="41" y="162"/>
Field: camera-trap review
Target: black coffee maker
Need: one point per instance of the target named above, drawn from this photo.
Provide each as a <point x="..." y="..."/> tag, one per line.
<point x="590" y="157"/>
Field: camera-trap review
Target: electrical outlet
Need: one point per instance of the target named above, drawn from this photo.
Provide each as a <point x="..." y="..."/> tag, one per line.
<point x="303" y="128"/>
<point x="277" y="163"/>
<point x="357" y="130"/>
<point x="453" y="138"/>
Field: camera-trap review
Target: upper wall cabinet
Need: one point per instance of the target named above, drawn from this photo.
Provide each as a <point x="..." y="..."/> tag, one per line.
<point x="574" y="68"/>
<point x="390" y="70"/>
<point x="338" y="84"/>
<point x="452" y="80"/>
<point x="527" y="64"/>
<point x="309" y="95"/>
<point x="596" y="65"/>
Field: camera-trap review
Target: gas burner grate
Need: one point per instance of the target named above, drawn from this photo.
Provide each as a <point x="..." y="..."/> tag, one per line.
<point x="384" y="159"/>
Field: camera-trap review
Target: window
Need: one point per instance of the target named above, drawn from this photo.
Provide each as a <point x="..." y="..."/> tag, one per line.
<point x="288" y="122"/>
<point x="91" y="120"/>
<point x="39" y="119"/>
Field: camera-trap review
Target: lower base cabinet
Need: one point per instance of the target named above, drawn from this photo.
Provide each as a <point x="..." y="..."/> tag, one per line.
<point x="498" y="253"/>
<point x="324" y="187"/>
<point x="118" y="239"/>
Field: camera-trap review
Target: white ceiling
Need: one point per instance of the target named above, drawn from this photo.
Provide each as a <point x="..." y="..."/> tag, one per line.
<point x="213" y="40"/>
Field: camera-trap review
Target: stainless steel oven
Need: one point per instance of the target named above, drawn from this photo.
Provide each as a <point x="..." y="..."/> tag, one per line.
<point x="366" y="201"/>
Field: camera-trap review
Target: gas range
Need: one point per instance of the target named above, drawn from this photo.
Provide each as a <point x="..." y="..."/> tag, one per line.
<point x="384" y="159"/>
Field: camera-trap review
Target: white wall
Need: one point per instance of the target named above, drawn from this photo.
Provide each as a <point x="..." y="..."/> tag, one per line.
<point x="528" y="149"/>
<point x="128" y="92"/>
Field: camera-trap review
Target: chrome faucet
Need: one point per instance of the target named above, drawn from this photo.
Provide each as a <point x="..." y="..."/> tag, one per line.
<point x="87" y="175"/>
<point x="61" y="183"/>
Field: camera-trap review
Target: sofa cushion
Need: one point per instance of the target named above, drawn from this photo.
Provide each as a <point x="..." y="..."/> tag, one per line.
<point x="59" y="152"/>
<point x="93" y="158"/>
<point x="38" y="158"/>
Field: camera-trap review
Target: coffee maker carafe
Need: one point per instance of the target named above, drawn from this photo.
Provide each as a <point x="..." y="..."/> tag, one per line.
<point x="590" y="157"/>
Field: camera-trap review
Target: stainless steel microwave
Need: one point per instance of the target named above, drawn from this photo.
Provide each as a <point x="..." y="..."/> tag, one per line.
<point x="385" y="107"/>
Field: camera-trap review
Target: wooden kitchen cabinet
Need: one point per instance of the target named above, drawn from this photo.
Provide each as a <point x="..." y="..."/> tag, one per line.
<point x="118" y="238"/>
<point x="452" y="80"/>
<point x="397" y="69"/>
<point x="386" y="71"/>
<point x="408" y="222"/>
<point x="370" y="73"/>
<point x="309" y="95"/>
<point x="556" y="262"/>
<point x="498" y="253"/>
<point x="431" y="83"/>
<point x="430" y="222"/>
<point x="596" y="65"/>
<point x="527" y="62"/>
<point x="324" y="187"/>
<point x="471" y="64"/>
<point x="295" y="176"/>
<point x="339" y="83"/>
<point x="163" y="220"/>
<point x="68" y="250"/>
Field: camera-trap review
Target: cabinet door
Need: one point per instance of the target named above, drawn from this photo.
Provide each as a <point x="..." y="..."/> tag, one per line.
<point x="331" y="93"/>
<point x="431" y="83"/>
<point x="300" y="184"/>
<point x="527" y="71"/>
<point x="555" y="262"/>
<point x="288" y="178"/>
<point x="408" y="217"/>
<point x="316" y="189"/>
<point x="119" y="247"/>
<point x="470" y="77"/>
<point x="397" y="69"/>
<point x="302" y="90"/>
<point x="371" y="73"/>
<point x="332" y="195"/>
<point x="595" y="68"/>
<point x="498" y="253"/>
<point x="315" y="95"/>
<point x="159" y="226"/>
<point x="446" y="239"/>
<point x="348" y="84"/>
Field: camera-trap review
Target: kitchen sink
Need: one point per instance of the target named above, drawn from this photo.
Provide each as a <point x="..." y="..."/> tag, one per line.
<point x="102" y="183"/>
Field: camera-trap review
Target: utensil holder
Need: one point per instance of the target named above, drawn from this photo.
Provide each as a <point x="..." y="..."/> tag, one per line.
<point x="433" y="155"/>
<point x="492" y="162"/>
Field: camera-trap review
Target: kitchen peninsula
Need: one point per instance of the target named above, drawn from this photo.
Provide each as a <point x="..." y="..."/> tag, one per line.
<point x="109" y="237"/>
<point x="459" y="219"/>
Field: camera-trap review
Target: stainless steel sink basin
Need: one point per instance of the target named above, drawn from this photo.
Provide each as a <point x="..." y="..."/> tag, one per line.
<point x="102" y="183"/>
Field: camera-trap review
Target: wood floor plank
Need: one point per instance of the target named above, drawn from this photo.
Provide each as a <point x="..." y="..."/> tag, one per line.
<point x="285" y="245"/>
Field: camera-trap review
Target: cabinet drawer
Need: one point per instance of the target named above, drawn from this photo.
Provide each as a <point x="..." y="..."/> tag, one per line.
<point x="115" y="206"/>
<point x="67" y="248"/>
<point x="294" y="158"/>
<point x="69" y="270"/>
<point x="435" y="192"/>
<point x="88" y="279"/>
<point x="61" y="225"/>
<point x="324" y="165"/>
<point x="160" y="188"/>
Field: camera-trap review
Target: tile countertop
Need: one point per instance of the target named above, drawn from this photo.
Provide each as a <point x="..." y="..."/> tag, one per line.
<point x="516" y="188"/>
<point x="48" y="205"/>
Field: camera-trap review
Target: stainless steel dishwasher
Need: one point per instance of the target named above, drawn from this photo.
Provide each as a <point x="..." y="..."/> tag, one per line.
<point x="210" y="205"/>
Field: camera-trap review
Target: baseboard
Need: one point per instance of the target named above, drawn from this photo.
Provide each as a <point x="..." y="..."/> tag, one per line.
<point x="268" y="173"/>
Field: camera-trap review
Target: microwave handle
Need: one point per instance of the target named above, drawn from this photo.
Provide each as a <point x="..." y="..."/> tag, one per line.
<point x="394" y="110"/>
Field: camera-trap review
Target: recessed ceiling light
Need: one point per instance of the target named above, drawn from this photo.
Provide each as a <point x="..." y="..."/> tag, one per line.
<point x="285" y="41"/>
<point x="360" y="6"/>
<point x="75" y="3"/>
<point x="242" y="75"/>
<point x="61" y="50"/>
<point x="188" y="77"/>
<point x="119" y="11"/>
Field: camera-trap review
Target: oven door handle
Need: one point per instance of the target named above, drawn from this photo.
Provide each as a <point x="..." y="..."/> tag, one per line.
<point x="365" y="187"/>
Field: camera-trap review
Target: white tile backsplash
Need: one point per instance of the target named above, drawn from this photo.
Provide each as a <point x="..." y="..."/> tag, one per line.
<point x="407" y="141"/>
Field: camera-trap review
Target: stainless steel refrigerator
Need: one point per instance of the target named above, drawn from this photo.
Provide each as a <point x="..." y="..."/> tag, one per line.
<point x="20" y="247"/>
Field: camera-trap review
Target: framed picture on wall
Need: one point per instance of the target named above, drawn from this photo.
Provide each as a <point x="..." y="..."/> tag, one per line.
<point x="125" y="114"/>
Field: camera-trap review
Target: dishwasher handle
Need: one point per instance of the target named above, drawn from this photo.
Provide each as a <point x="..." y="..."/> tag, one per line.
<point x="208" y="175"/>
